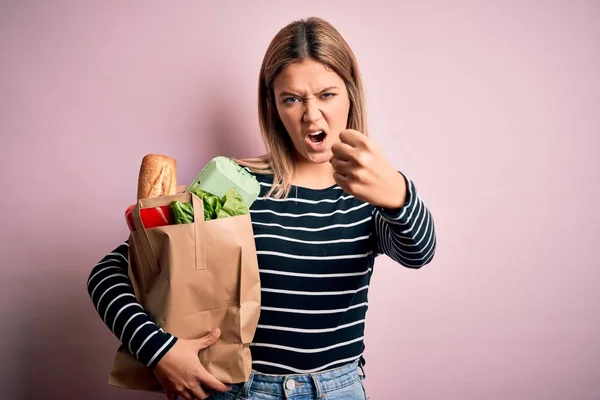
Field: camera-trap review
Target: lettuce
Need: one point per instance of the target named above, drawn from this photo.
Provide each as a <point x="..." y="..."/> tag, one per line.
<point x="230" y="205"/>
<point x="183" y="213"/>
<point x="233" y="204"/>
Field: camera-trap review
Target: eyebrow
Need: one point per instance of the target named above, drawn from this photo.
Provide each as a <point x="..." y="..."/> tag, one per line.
<point x="286" y="93"/>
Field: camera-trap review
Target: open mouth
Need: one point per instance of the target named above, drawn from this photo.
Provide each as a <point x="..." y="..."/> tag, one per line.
<point x="317" y="136"/>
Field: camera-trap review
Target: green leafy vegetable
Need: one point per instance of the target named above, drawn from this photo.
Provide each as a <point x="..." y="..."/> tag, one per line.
<point x="233" y="204"/>
<point x="230" y="205"/>
<point x="183" y="213"/>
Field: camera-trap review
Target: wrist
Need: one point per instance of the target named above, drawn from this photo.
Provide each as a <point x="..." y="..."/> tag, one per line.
<point x="397" y="191"/>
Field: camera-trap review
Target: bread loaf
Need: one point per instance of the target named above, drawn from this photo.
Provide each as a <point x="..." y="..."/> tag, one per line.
<point x="157" y="177"/>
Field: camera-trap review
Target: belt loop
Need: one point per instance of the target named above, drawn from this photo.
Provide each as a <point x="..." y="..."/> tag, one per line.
<point x="246" y="389"/>
<point x="318" y="390"/>
<point x="361" y="364"/>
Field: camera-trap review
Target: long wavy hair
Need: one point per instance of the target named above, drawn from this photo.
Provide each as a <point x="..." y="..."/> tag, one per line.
<point x="311" y="38"/>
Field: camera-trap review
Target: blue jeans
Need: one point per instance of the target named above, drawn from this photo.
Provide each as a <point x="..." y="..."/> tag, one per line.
<point x="343" y="383"/>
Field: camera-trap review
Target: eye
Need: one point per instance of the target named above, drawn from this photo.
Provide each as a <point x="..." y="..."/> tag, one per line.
<point x="328" y="95"/>
<point x="290" y="99"/>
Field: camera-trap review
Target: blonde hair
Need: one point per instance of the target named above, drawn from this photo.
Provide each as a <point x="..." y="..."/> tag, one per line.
<point x="311" y="38"/>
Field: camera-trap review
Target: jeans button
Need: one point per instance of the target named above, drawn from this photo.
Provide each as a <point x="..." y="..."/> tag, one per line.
<point x="290" y="384"/>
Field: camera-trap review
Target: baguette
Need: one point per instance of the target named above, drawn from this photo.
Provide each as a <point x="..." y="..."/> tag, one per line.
<point x="157" y="177"/>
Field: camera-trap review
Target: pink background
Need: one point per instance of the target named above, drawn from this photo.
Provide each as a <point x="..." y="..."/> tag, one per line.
<point x="492" y="108"/>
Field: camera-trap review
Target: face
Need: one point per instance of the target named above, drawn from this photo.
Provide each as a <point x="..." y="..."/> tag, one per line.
<point x="313" y="104"/>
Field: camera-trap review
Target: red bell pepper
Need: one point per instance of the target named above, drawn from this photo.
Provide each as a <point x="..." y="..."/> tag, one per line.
<point x="151" y="217"/>
<point x="129" y="217"/>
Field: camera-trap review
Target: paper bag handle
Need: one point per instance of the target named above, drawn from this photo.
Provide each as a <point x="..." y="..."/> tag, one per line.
<point x="198" y="207"/>
<point x="144" y="240"/>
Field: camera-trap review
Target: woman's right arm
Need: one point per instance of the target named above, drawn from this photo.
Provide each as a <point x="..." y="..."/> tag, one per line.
<point x="179" y="371"/>
<point x="111" y="292"/>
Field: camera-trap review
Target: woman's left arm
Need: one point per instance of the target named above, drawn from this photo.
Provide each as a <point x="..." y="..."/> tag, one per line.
<point x="404" y="227"/>
<point x="406" y="234"/>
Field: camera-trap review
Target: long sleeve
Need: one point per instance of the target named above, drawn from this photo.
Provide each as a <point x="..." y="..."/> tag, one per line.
<point x="110" y="290"/>
<point x="407" y="234"/>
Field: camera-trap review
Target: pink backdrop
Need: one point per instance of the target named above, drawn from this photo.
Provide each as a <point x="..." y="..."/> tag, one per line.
<point x="493" y="108"/>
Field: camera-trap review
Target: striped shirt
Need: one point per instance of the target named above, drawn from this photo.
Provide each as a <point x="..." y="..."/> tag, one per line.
<point x="316" y="250"/>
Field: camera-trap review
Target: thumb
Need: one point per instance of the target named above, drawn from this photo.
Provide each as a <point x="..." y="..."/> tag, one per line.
<point x="208" y="339"/>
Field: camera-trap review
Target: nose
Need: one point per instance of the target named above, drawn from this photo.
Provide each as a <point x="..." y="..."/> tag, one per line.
<point x="311" y="112"/>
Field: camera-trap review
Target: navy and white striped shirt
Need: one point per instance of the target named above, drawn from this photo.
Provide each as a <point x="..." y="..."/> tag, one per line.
<point x="316" y="250"/>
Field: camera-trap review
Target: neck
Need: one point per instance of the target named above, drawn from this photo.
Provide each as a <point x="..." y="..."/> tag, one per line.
<point x="314" y="176"/>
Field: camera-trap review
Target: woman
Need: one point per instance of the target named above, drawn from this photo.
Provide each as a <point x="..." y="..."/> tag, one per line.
<point x="330" y="202"/>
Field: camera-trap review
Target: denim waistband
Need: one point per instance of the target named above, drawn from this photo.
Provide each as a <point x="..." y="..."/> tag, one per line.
<point x="302" y="384"/>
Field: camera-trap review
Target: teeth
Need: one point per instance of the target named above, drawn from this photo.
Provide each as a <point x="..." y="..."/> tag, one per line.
<point x="315" y="133"/>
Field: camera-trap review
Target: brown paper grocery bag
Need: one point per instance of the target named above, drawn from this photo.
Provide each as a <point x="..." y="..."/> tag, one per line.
<point x="192" y="278"/>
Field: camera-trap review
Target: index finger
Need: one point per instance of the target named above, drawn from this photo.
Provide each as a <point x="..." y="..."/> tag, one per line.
<point x="351" y="137"/>
<point x="342" y="151"/>
<point x="199" y="392"/>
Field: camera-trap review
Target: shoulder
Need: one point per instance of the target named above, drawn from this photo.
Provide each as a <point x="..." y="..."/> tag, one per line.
<point x="261" y="177"/>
